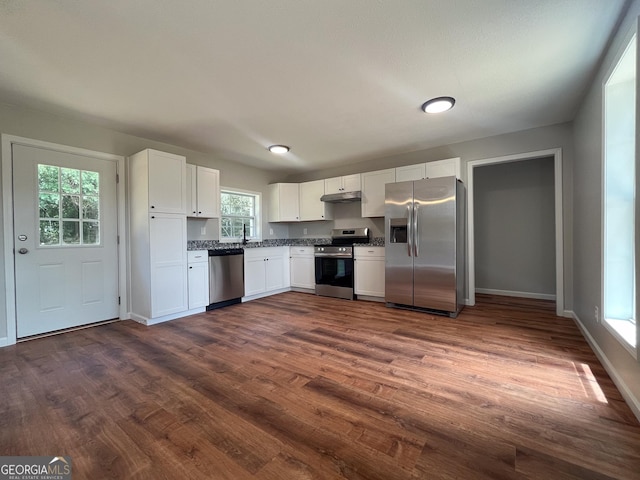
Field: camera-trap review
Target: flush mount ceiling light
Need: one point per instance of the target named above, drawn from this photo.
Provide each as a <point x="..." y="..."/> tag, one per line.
<point x="438" y="105"/>
<point x="278" y="149"/>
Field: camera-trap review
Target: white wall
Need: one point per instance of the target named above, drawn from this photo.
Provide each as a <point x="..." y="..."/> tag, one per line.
<point x="587" y="252"/>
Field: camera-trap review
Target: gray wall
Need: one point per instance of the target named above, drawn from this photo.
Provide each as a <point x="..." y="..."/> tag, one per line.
<point x="514" y="230"/>
<point x="587" y="250"/>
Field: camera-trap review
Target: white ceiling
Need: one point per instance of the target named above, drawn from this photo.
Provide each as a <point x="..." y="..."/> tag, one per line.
<point x="338" y="80"/>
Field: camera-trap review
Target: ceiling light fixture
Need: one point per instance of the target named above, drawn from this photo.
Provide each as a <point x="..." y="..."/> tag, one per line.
<point x="278" y="149"/>
<point x="438" y="105"/>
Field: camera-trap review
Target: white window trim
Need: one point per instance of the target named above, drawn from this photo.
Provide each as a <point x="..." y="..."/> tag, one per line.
<point x="258" y="196"/>
<point x="610" y="325"/>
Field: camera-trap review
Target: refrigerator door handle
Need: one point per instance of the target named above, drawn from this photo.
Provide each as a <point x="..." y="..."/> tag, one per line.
<point x="409" y="230"/>
<point x="416" y="240"/>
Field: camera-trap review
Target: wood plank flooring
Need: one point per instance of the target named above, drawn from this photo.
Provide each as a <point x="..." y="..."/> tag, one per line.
<point x="296" y="386"/>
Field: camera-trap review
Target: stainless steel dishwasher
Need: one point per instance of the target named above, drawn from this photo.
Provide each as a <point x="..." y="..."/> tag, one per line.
<point x="226" y="277"/>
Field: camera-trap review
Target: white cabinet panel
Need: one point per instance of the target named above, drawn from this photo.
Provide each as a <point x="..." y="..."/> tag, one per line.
<point x="410" y="172"/>
<point x="311" y="207"/>
<point x="443" y="168"/>
<point x="373" y="191"/>
<point x="192" y="198"/>
<point x="203" y="192"/>
<point x="369" y="271"/>
<point x="274" y="273"/>
<point x="346" y="183"/>
<point x="198" y="278"/>
<point x="351" y="183"/>
<point x="284" y="204"/>
<point x="255" y="277"/>
<point x="266" y="270"/>
<point x="167" y="182"/>
<point x="208" y="192"/>
<point x="302" y="267"/>
<point x="167" y="242"/>
<point x="440" y="168"/>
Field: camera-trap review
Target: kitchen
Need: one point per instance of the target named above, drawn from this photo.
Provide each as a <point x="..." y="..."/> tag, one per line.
<point x="573" y="172"/>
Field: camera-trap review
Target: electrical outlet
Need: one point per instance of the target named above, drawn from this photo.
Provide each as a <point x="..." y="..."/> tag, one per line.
<point x="271" y="231"/>
<point x="304" y="231"/>
<point x="596" y="314"/>
<point x="203" y="230"/>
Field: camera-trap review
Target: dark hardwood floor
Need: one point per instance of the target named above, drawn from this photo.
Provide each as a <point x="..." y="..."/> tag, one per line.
<point x="296" y="386"/>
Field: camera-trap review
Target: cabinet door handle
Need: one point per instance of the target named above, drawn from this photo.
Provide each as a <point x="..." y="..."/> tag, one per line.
<point x="199" y="213"/>
<point x="190" y="268"/>
<point x="152" y="216"/>
<point x="153" y="206"/>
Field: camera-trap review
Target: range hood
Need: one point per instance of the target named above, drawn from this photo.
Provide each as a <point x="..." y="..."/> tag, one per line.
<point x="341" y="197"/>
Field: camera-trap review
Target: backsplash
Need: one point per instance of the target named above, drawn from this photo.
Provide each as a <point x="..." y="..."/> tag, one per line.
<point x="278" y="242"/>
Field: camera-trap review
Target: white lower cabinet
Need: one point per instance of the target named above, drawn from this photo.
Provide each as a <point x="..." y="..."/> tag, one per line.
<point x="302" y="267"/>
<point x="198" y="278"/>
<point x="369" y="272"/>
<point x="266" y="271"/>
<point x="167" y="233"/>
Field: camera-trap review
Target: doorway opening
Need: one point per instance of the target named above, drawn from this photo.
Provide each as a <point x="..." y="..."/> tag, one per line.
<point x="556" y="155"/>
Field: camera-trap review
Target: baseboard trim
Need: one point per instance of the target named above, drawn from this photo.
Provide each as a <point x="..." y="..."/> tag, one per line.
<point x="510" y="293"/>
<point x="629" y="397"/>
<point x="265" y="294"/>
<point x="4" y="342"/>
<point x="165" y="318"/>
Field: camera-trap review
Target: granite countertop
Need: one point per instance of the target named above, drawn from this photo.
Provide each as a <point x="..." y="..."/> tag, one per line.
<point x="278" y="242"/>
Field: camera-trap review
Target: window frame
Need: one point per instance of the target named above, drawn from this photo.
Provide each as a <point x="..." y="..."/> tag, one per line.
<point x="60" y="219"/>
<point x="257" y="215"/>
<point x="616" y="327"/>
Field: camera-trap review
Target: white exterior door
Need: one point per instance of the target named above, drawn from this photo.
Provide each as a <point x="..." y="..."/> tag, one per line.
<point x="65" y="226"/>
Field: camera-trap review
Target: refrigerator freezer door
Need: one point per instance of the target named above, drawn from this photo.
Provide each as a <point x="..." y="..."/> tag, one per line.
<point x="435" y="236"/>
<point x="398" y="243"/>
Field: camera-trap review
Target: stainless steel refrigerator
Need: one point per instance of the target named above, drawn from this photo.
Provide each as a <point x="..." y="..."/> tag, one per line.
<point x="424" y="245"/>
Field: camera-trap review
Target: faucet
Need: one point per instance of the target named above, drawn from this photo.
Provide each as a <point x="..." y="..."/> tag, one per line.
<point x="244" y="234"/>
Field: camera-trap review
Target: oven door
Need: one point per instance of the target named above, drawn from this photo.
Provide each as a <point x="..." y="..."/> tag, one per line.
<point x="334" y="275"/>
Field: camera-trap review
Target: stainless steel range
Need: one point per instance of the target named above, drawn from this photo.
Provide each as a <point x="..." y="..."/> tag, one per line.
<point x="334" y="263"/>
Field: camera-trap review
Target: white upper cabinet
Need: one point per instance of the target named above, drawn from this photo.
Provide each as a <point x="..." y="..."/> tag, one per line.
<point x="311" y="207"/>
<point x="373" y="191"/>
<point x="166" y="180"/>
<point x="203" y="192"/>
<point x="284" y="203"/>
<point x="346" y="183"/>
<point x="440" y="168"/>
<point x="410" y="173"/>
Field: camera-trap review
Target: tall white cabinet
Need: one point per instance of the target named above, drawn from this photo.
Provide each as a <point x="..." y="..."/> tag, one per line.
<point x="158" y="236"/>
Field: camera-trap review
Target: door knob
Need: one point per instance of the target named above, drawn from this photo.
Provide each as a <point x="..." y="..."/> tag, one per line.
<point x="23" y="250"/>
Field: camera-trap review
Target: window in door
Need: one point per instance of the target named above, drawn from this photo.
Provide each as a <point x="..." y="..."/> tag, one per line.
<point x="619" y="192"/>
<point x="69" y="206"/>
